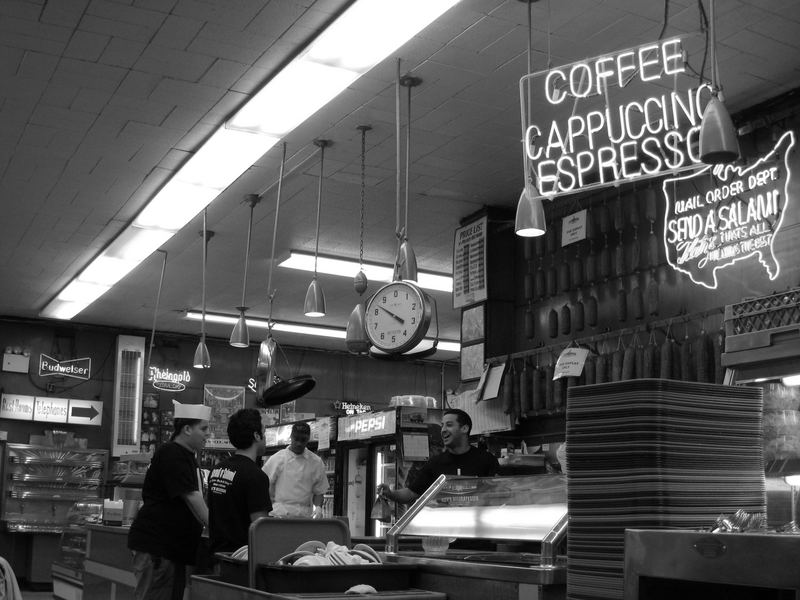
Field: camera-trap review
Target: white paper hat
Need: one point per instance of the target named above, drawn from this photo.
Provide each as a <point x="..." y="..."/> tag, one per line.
<point x="192" y="411"/>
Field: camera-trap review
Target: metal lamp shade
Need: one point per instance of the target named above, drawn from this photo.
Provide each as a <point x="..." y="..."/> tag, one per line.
<point x="530" y="220"/>
<point x="202" y="359"/>
<point x="314" y="305"/>
<point x="240" y="336"/>
<point x="356" y="338"/>
<point x="719" y="143"/>
<point x="407" y="261"/>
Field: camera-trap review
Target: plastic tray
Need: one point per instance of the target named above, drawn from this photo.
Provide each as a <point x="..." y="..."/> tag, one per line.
<point x="333" y="579"/>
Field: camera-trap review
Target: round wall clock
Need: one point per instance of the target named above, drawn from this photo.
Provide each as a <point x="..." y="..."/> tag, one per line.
<point x="398" y="317"/>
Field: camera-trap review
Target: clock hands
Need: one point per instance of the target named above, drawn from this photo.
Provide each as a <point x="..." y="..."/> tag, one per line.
<point x="394" y="316"/>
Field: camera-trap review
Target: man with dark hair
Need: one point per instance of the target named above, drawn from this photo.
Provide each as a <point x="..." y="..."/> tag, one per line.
<point x="238" y="491"/>
<point x="458" y="458"/>
<point x="297" y="479"/>
<point x="165" y="535"/>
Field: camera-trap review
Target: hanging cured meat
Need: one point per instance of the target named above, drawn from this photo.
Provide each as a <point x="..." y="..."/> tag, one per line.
<point x="526" y="404"/>
<point x="652" y="295"/>
<point x="578" y="317"/>
<point x="566" y="320"/>
<point x="591" y="311"/>
<point x="529" y="323"/>
<point x="718" y="349"/>
<point x="552" y="323"/>
<point x="622" y="305"/>
<point x="507" y="390"/>
<point x="637" y="303"/>
<point x="537" y="391"/>
<point x="589" y="370"/>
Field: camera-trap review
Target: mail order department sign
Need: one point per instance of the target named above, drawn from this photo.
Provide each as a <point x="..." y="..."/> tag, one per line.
<point x="725" y="214"/>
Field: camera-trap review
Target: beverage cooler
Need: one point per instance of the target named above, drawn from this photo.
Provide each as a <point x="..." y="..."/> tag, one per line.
<point x="762" y="349"/>
<point x="374" y="448"/>
<point x="323" y="431"/>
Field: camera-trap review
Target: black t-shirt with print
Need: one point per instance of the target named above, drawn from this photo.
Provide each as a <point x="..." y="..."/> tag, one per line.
<point x="474" y="462"/>
<point x="236" y="488"/>
<point x="165" y="526"/>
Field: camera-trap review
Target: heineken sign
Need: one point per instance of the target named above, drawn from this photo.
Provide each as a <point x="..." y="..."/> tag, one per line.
<point x="724" y="214"/>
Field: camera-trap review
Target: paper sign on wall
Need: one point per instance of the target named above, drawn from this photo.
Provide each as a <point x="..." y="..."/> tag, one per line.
<point x="573" y="228"/>
<point x="570" y="363"/>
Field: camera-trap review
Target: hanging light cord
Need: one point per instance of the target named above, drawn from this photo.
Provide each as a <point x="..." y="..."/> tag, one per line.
<point x="155" y="310"/>
<point x="363" y="186"/>
<point x="205" y="248"/>
<point x="247" y="251"/>
<point x="397" y="141"/>
<point x="319" y="204"/>
<point x="408" y="157"/>
<point x="270" y="292"/>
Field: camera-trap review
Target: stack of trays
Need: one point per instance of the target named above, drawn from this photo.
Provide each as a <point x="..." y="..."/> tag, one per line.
<point x="654" y="454"/>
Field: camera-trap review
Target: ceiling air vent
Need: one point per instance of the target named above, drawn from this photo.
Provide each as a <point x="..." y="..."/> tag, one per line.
<point x="128" y="384"/>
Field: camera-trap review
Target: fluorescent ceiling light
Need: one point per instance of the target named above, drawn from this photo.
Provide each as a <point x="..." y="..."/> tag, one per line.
<point x="348" y="268"/>
<point x="331" y="332"/>
<point x="370" y="30"/>
<point x="293" y="95"/>
<point x="362" y="36"/>
<point x="106" y="270"/>
<point x="224" y="157"/>
<point x="790" y="380"/>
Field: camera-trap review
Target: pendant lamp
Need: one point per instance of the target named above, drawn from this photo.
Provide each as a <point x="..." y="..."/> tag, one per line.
<point x="719" y="142"/>
<point x="240" y="336"/>
<point x="406" y="263"/>
<point x="314" y="305"/>
<point x="530" y="220"/>
<point x="356" y="336"/>
<point x="202" y="359"/>
<point x="271" y="390"/>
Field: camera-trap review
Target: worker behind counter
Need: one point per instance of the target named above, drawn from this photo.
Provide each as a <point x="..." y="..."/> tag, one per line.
<point x="458" y="458"/>
<point x="238" y="490"/>
<point x="297" y="479"/>
<point x="165" y="536"/>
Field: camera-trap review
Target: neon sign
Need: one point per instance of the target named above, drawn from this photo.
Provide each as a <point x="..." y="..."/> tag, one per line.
<point x="164" y="379"/>
<point x="708" y="229"/>
<point x="620" y="117"/>
<point x="367" y="425"/>
<point x="79" y="368"/>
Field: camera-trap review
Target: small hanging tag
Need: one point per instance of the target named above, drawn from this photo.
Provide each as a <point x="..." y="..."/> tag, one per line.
<point x="570" y="362"/>
<point x="573" y="228"/>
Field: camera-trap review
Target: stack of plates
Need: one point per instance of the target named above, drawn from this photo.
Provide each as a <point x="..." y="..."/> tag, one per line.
<point x="654" y="454"/>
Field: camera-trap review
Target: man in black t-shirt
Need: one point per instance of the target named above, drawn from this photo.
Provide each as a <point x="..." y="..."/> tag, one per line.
<point x="165" y="535"/>
<point x="238" y="490"/>
<point x="458" y="458"/>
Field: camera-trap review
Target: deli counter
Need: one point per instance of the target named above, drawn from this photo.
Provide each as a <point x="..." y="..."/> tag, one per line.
<point x="495" y="537"/>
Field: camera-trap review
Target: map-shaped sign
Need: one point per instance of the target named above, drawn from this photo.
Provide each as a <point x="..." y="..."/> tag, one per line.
<point x="723" y="214"/>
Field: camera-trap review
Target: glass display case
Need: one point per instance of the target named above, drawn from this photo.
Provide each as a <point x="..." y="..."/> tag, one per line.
<point x="41" y="483"/>
<point x="529" y="508"/>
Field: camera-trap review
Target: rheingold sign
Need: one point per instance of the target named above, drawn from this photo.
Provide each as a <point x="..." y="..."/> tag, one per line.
<point x="619" y="117"/>
<point x="715" y="219"/>
<point x="169" y="381"/>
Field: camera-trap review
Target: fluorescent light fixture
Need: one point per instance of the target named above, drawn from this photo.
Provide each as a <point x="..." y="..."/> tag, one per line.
<point x="348" y="268"/>
<point x="361" y="37"/>
<point x="315" y="330"/>
<point x="793" y="480"/>
<point x="293" y="95"/>
<point x="791" y="380"/>
<point x="370" y="30"/>
<point x="224" y="157"/>
<point x="175" y="204"/>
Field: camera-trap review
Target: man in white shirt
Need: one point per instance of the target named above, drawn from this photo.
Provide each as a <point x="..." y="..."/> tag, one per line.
<point x="297" y="479"/>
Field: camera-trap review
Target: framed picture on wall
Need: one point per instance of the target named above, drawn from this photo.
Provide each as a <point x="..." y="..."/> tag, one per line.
<point x="473" y="324"/>
<point x="471" y="362"/>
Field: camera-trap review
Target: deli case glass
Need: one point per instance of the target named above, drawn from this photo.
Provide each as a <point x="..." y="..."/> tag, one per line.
<point x="41" y="483"/>
<point x="513" y="512"/>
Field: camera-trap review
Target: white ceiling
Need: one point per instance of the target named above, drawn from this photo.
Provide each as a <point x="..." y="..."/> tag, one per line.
<point x="101" y="100"/>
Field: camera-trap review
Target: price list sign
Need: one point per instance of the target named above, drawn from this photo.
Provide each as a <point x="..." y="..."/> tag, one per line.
<point x="469" y="264"/>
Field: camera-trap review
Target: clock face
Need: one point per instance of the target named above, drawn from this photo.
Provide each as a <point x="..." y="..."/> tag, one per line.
<point x="398" y="317"/>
